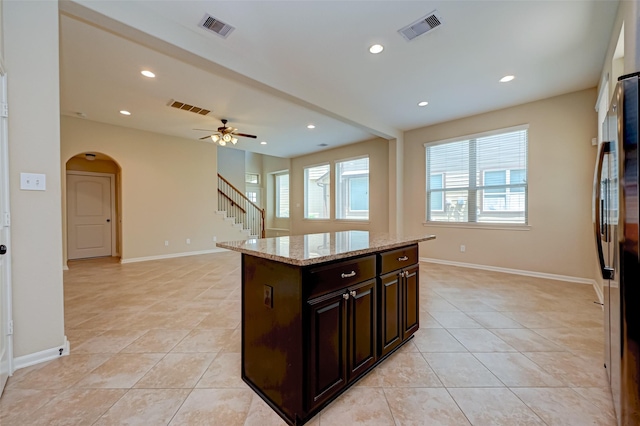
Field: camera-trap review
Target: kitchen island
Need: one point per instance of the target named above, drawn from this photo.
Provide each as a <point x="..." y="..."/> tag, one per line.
<point x="321" y="310"/>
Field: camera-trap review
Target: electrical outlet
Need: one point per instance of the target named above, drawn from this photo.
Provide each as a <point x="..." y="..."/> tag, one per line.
<point x="268" y="296"/>
<point x="462" y="248"/>
<point x="166" y="243"/>
<point x="188" y="240"/>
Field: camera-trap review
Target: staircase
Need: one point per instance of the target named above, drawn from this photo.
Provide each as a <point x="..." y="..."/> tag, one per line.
<point x="237" y="207"/>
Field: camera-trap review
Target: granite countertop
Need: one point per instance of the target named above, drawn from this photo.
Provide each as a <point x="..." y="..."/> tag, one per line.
<point x="309" y="249"/>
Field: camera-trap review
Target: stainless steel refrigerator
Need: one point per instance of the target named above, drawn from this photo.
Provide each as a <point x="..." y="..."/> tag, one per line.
<point x="616" y="230"/>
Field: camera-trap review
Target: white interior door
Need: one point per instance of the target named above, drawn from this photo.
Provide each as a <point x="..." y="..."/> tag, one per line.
<point x="6" y="351"/>
<point x="89" y="215"/>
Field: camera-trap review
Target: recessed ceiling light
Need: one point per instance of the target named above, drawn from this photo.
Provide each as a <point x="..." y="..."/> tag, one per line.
<point x="376" y="48"/>
<point x="423" y="103"/>
<point x="123" y="112"/>
<point x="311" y="126"/>
<point x="506" y="78"/>
<point x="263" y="143"/>
<point x="148" y="73"/>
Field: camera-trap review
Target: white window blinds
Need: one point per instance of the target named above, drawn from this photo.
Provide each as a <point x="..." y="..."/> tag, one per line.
<point x="478" y="179"/>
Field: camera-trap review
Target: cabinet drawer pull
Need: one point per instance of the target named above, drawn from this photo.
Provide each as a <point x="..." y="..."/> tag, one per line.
<point x="352" y="293"/>
<point x="349" y="275"/>
<point x="403" y="258"/>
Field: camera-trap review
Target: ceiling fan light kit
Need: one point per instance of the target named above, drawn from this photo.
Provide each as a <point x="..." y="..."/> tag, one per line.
<point x="226" y="134"/>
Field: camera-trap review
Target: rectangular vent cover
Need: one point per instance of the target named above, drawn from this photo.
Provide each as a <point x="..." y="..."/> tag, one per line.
<point x="215" y="25"/>
<point x="421" y="26"/>
<point x="187" y="107"/>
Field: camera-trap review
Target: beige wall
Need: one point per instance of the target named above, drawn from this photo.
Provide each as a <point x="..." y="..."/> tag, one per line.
<point x="168" y="186"/>
<point x="231" y="164"/>
<point x="31" y="60"/>
<point x="561" y="161"/>
<point x="95" y="166"/>
<point x="253" y="163"/>
<point x="378" y="152"/>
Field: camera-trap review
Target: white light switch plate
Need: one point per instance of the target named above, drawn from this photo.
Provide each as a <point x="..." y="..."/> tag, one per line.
<point x="33" y="181"/>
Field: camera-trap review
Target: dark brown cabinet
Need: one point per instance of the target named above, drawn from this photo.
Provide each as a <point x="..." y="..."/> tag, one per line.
<point x="399" y="298"/>
<point x="342" y="339"/>
<point x="310" y="332"/>
<point x="391" y="330"/>
<point x="410" y="301"/>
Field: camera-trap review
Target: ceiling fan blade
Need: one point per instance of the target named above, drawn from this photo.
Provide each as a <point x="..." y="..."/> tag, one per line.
<point x="205" y="130"/>
<point x="245" y="135"/>
<point x="204" y="137"/>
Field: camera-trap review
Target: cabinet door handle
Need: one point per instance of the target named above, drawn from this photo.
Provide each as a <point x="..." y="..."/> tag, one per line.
<point x="349" y="275"/>
<point x="403" y="258"/>
<point x="403" y="274"/>
<point x="345" y="296"/>
<point x="352" y="293"/>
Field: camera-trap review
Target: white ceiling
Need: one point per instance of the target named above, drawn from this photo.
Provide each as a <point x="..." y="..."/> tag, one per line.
<point x="291" y="63"/>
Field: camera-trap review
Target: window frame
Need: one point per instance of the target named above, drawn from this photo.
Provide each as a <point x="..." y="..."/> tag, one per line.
<point x="306" y="189"/>
<point x="277" y="194"/>
<point x="472" y="189"/>
<point x="248" y="178"/>
<point x="345" y="198"/>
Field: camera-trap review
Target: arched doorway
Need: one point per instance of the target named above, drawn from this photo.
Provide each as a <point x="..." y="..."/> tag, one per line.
<point x="92" y="206"/>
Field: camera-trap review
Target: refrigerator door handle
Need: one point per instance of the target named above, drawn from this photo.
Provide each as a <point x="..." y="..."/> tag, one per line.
<point x="607" y="272"/>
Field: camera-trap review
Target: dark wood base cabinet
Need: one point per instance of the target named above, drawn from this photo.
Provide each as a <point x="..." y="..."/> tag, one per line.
<point x="310" y="332"/>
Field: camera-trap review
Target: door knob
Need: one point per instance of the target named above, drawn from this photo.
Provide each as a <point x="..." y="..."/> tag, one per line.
<point x="3" y="249"/>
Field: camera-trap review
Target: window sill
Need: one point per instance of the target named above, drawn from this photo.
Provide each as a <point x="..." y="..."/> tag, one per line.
<point x="484" y="226"/>
<point x="362" y="221"/>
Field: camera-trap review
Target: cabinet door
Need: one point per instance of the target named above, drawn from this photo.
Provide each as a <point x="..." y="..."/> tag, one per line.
<point x="390" y="312"/>
<point x="362" y="328"/>
<point x="411" y="310"/>
<point x="327" y="370"/>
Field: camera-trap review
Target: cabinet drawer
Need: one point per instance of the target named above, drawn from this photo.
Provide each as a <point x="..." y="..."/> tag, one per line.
<point x="336" y="276"/>
<point x="398" y="258"/>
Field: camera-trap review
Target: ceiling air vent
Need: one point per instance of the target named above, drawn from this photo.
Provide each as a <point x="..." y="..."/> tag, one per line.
<point x="187" y="107"/>
<point x="421" y="26"/>
<point x="217" y="26"/>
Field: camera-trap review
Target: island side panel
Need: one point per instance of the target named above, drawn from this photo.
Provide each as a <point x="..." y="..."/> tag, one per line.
<point x="272" y="346"/>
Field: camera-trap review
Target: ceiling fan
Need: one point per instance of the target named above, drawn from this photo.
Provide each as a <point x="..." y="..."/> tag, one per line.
<point x="225" y="134"/>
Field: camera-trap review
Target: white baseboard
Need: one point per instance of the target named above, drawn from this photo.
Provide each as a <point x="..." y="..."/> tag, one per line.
<point x="42" y="356"/>
<point x="172" y="255"/>
<point x="598" y="291"/>
<point x="534" y="274"/>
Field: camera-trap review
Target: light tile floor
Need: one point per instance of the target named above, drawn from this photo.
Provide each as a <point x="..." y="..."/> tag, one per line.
<point x="158" y="343"/>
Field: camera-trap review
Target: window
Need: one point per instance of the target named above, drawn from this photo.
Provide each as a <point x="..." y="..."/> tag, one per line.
<point x="478" y="179"/>
<point x="352" y="189"/>
<point x="503" y="197"/>
<point x="282" y="195"/>
<point x="252" y="178"/>
<point x="437" y="197"/>
<point x="252" y="196"/>
<point x="317" y="193"/>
